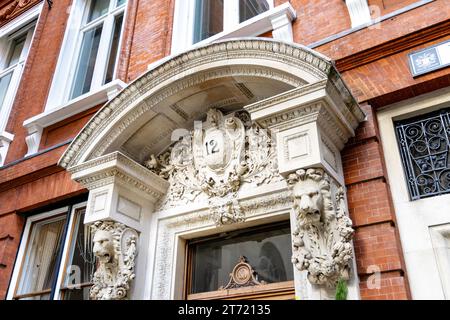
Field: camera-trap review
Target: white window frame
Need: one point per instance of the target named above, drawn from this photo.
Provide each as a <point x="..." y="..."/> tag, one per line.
<point x="276" y="18"/>
<point x="25" y="23"/>
<point x="67" y="250"/>
<point x="68" y="59"/>
<point x="28" y="233"/>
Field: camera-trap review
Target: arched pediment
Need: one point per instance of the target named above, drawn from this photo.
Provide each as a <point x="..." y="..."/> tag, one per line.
<point x="178" y="90"/>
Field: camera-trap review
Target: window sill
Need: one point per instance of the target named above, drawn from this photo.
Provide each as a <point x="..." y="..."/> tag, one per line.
<point x="36" y="124"/>
<point x="280" y="290"/>
<point x="278" y="19"/>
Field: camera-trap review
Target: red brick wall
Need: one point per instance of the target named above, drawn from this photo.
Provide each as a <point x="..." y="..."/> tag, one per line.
<point x="391" y="74"/>
<point x="382" y="7"/>
<point x="11" y="226"/>
<point x="387" y="30"/>
<point x="65" y="130"/>
<point x="152" y="35"/>
<point x="319" y="19"/>
<point x="38" y="74"/>
<point x="377" y="242"/>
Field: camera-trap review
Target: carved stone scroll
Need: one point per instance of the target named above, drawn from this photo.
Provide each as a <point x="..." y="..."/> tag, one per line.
<point x="322" y="238"/>
<point x="115" y="249"/>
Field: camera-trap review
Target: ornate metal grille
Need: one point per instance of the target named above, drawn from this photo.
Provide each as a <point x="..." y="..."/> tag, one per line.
<point x="424" y="146"/>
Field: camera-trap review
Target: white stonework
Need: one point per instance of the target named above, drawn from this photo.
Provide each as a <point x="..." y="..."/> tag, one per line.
<point x="322" y="237"/>
<point x="5" y="140"/>
<point x="120" y="189"/>
<point x="359" y="12"/>
<point x="175" y="157"/>
<point x="115" y="250"/>
<point x="33" y="139"/>
<point x="418" y="221"/>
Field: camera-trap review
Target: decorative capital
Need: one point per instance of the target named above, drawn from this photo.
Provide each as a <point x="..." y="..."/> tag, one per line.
<point x="115" y="249"/>
<point x="116" y="167"/>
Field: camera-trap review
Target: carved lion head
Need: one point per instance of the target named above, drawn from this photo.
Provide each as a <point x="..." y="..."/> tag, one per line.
<point x="107" y="241"/>
<point x="312" y="196"/>
<point x="103" y="246"/>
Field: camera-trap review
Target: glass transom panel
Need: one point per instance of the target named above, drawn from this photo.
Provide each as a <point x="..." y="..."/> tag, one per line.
<point x="267" y="250"/>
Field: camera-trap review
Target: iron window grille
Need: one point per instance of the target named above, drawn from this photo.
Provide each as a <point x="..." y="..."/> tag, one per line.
<point x="424" y="144"/>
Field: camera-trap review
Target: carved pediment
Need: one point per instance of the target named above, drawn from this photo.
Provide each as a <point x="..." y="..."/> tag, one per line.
<point x="214" y="161"/>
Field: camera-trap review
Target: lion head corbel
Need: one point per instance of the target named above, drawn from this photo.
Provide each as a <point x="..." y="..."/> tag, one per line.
<point x="115" y="249"/>
<point x="322" y="237"/>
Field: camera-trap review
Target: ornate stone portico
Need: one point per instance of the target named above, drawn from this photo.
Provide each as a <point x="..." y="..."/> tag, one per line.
<point x="219" y="138"/>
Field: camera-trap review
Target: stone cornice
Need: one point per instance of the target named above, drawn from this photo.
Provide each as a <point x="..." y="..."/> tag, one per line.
<point x="116" y="167"/>
<point x="320" y="102"/>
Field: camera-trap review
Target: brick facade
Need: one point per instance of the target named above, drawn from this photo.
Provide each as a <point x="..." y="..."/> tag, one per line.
<point x="372" y="61"/>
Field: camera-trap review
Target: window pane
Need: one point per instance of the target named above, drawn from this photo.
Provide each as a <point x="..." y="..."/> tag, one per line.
<point x="16" y="50"/>
<point x="86" y="63"/>
<point x="81" y="264"/>
<point x="120" y="2"/>
<point x="40" y="267"/>
<point x="114" y="48"/>
<point x="98" y="8"/>
<point x="208" y="19"/>
<point x="268" y="251"/>
<point x="4" y="84"/>
<point x="251" y="8"/>
<point x="77" y="294"/>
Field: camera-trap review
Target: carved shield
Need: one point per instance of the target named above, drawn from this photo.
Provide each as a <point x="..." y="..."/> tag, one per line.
<point x="218" y="144"/>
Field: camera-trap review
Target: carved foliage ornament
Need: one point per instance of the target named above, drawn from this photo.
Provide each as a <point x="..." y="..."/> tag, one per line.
<point x="115" y="249"/>
<point x="322" y="238"/>
<point x="214" y="161"/>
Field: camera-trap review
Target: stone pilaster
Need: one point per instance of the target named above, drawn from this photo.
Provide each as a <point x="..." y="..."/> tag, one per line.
<point x="122" y="195"/>
<point x="311" y="125"/>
